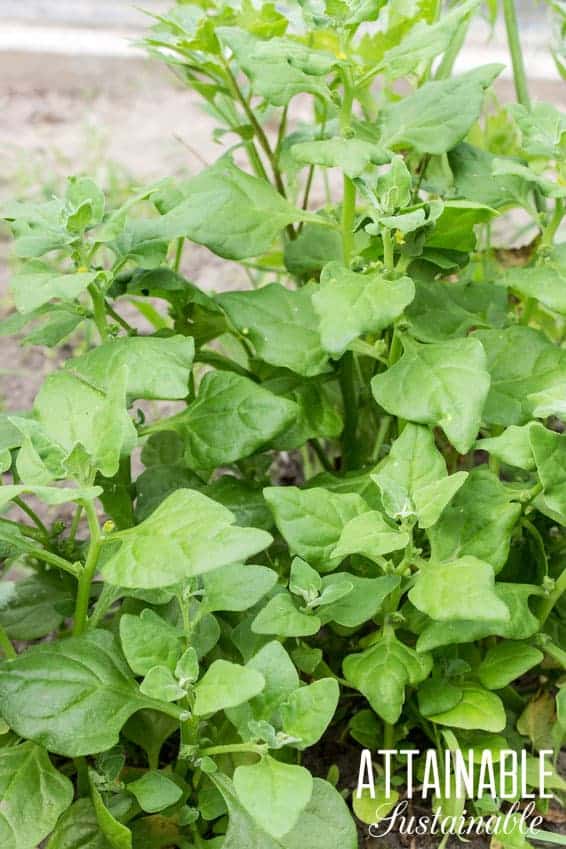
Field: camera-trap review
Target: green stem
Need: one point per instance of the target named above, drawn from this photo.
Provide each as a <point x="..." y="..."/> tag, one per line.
<point x="319" y="451"/>
<point x="349" y="194"/>
<point x="235" y="748"/>
<point x="6" y="645"/>
<point x="388" y="735"/>
<point x="519" y="73"/>
<point x="347" y="386"/>
<point x="118" y="318"/>
<point x="554" y="223"/>
<point x="25" y="530"/>
<point x="33" y="516"/>
<point x="89" y="570"/>
<point x="258" y="130"/>
<point x="99" y="310"/>
<point x="54" y="560"/>
<point x="552" y="599"/>
<point x="178" y="253"/>
<point x="446" y="66"/>
<point x="388" y="258"/>
<point x="75" y="523"/>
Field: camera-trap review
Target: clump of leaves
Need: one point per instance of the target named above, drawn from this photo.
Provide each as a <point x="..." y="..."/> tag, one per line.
<point x="206" y="623"/>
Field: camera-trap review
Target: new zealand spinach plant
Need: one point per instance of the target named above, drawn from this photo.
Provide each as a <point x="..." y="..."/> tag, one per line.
<point x="345" y="527"/>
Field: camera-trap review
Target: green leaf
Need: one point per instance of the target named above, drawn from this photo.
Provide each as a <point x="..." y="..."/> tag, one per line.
<point x="158" y="482"/>
<point x="438" y="115"/>
<point x="78" y="828"/>
<point x="461" y="589"/>
<point x="424" y="42"/>
<point x="158" y="368"/>
<point x="521" y="625"/>
<point x="472" y="170"/>
<point x="351" y="304"/>
<point x="544" y="282"/>
<point x="281" y="616"/>
<point x="52" y="495"/>
<point x="71" y="696"/>
<point x="35" y="606"/>
<point x="438" y="695"/>
<point x="413" y="480"/>
<point x="149" y="729"/>
<point x="311" y="520"/>
<point x="479" y="709"/>
<point x="478" y="522"/>
<point x="317" y="413"/>
<point x="148" y="640"/>
<point x="34" y="795"/>
<point x="370" y="535"/>
<point x="226" y="685"/>
<point x="160" y="683"/>
<point x="442" y="311"/>
<point x="244" y="499"/>
<point x="325" y="823"/>
<point x="351" y="155"/>
<point x="228" y="211"/>
<point x="549" y="451"/>
<point x="543" y="128"/>
<point x="513" y="447"/>
<point x="154" y="791"/>
<point x="273" y="663"/>
<point x="455" y="228"/>
<point x="308" y="711"/>
<point x="188" y="534"/>
<point x="383" y="671"/>
<point x="279" y="68"/>
<point x="273" y="793"/>
<point x="314" y="246"/>
<point x="118" y="835"/>
<point x="237" y="587"/>
<point x="281" y="324"/>
<point x="75" y="413"/>
<point x="521" y="361"/>
<point x="363" y="601"/>
<point x="187" y="667"/>
<point x="507" y="661"/>
<point x="37" y="284"/>
<point x="304" y="581"/>
<point x="444" y="384"/>
<point x="228" y="403"/>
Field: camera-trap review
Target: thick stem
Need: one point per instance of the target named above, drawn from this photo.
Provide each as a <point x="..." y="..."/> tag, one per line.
<point x="98" y="310"/>
<point x="554" y="223"/>
<point x="178" y="253"/>
<point x="388" y="735"/>
<point x="349" y="195"/>
<point x="75" y="523"/>
<point x="388" y="256"/>
<point x="89" y="570"/>
<point x="519" y="73"/>
<point x="348" y="213"/>
<point x="6" y="645"/>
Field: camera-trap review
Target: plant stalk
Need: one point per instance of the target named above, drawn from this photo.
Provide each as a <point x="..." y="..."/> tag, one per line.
<point x="89" y="570"/>
<point x="98" y="310"/>
<point x="519" y="72"/>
